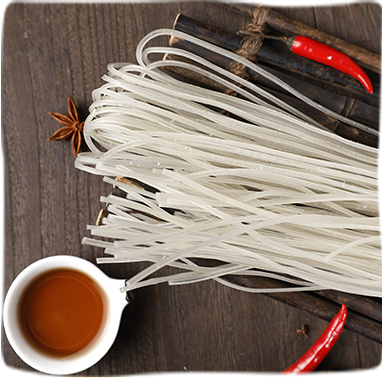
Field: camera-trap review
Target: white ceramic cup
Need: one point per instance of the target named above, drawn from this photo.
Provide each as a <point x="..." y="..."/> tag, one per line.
<point x="89" y="355"/>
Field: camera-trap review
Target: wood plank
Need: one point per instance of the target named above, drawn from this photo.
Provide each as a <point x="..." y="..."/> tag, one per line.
<point x="52" y="50"/>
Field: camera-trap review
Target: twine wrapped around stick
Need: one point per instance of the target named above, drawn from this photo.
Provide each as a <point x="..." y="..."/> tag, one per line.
<point x="251" y="43"/>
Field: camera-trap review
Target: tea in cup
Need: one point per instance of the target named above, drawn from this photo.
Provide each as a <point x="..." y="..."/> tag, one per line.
<point x="62" y="314"/>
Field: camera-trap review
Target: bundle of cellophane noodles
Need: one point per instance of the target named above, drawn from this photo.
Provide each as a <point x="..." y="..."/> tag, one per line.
<point x="264" y="191"/>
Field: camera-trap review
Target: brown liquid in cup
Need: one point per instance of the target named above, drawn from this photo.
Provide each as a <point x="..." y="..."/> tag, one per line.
<point x="61" y="311"/>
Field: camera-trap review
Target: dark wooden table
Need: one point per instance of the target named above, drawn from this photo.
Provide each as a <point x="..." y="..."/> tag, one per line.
<point x="52" y="50"/>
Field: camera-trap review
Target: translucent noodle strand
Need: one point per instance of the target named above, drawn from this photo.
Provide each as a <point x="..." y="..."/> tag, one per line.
<point x="263" y="192"/>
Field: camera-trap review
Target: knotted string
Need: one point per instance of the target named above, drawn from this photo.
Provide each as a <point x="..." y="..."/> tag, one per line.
<point x="251" y="43"/>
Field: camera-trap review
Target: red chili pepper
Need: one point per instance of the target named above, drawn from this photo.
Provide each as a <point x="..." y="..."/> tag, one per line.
<point x="314" y="50"/>
<point x="314" y="356"/>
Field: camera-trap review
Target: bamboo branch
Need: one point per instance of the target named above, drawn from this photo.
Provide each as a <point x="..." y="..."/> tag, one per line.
<point x="284" y="24"/>
<point x="352" y="108"/>
<point x="278" y="58"/>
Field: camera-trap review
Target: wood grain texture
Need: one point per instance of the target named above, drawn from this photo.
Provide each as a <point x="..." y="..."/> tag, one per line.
<point x="52" y="50"/>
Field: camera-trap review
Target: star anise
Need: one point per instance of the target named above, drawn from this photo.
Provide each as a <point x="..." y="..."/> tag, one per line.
<point x="72" y="127"/>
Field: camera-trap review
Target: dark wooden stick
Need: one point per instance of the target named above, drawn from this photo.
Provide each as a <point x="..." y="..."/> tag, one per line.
<point x="352" y="108"/>
<point x="317" y="305"/>
<point x="332" y="124"/>
<point x="284" y="24"/>
<point x="364" y="305"/>
<point x="279" y="58"/>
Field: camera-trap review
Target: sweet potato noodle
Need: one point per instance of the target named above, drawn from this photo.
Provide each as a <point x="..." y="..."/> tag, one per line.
<point x="265" y="191"/>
